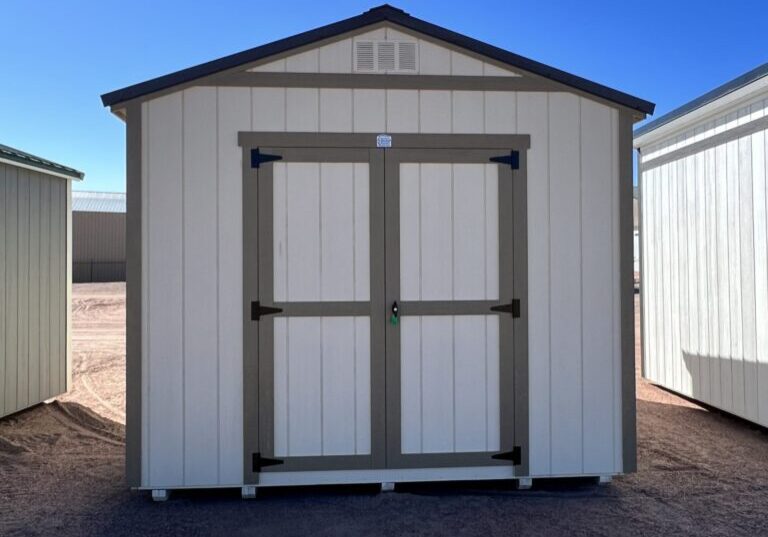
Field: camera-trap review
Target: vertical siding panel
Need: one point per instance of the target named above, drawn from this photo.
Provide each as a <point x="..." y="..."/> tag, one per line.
<point x="335" y="110"/>
<point x="468" y="115"/>
<point x="712" y="282"/>
<point x="679" y="171"/>
<point x="734" y="258"/>
<point x="658" y="297"/>
<point x="22" y="358"/>
<point x="501" y="112"/>
<point x="692" y="360"/>
<point x="165" y="236"/>
<point x="370" y="110"/>
<point x="12" y="288"/>
<point x="146" y="456"/>
<point x="647" y="289"/>
<point x="200" y="250"/>
<point x="402" y="111"/>
<point x="597" y="268"/>
<point x="435" y="111"/>
<point x="302" y="109"/>
<point x="267" y="108"/>
<point x="565" y="252"/>
<point x="761" y="273"/>
<point x="723" y="267"/>
<point x="702" y="276"/>
<point x="746" y="223"/>
<point x="53" y="286"/>
<point x="231" y="119"/>
<point x="44" y="283"/>
<point x="666" y="355"/>
<point x="674" y="298"/>
<point x="532" y="108"/>
<point x="618" y="362"/>
<point x="34" y="289"/>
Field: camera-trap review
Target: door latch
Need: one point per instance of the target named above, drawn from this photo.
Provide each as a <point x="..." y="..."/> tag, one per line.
<point x="393" y="319"/>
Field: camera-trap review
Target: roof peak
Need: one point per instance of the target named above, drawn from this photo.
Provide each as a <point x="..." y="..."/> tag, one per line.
<point x="387" y="8"/>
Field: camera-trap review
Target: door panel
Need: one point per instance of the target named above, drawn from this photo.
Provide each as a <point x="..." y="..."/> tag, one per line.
<point x="449" y="231"/>
<point x="450" y="383"/>
<point x="320" y="355"/>
<point x="450" y="357"/>
<point x="322" y="386"/>
<point x="321" y="232"/>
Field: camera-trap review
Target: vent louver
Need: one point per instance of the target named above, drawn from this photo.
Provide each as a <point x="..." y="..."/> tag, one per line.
<point x="385" y="56"/>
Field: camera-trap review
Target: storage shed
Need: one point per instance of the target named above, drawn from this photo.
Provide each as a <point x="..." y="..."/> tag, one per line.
<point x="377" y="251"/>
<point x="35" y="279"/>
<point x="98" y="237"/>
<point x="704" y="273"/>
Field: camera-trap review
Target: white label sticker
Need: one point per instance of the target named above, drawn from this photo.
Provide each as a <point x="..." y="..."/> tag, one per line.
<point x="384" y="140"/>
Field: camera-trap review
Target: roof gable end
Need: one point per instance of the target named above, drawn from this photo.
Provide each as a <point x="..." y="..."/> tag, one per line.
<point x="381" y="14"/>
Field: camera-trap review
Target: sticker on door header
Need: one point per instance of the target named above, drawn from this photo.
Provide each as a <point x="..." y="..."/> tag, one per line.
<point x="384" y="140"/>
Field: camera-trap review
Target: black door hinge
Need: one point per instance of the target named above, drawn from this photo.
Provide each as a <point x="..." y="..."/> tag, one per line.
<point x="257" y="310"/>
<point x="260" y="462"/>
<point x="258" y="158"/>
<point x="516" y="456"/>
<point x="513" y="159"/>
<point x="513" y="308"/>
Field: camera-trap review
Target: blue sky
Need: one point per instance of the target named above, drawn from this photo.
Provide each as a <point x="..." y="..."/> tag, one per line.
<point x="58" y="56"/>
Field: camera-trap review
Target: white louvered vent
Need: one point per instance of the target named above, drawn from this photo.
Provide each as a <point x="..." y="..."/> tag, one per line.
<point x="385" y="56"/>
<point x="364" y="59"/>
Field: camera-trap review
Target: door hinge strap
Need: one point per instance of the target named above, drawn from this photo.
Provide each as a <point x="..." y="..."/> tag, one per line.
<point x="513" y="159"/>
<point x="260" y="462"/>
<point x="516" y="456"/>
<point x="257" y="310"/>
<point x="258" y="158"/>
<point x="513" y="308"/>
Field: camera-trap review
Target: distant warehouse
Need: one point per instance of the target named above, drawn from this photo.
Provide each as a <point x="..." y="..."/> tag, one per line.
<point x="98" y="237"/>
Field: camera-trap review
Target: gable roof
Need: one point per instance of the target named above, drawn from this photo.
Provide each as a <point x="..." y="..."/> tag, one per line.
<point x="28" y="160"/>
<point x="709" y="97"/>
<point x="384" y="13"/>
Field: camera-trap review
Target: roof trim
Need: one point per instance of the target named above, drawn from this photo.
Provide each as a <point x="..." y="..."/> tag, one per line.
<point x="384" y="13"/>
<point x="28" y="160"/>
<point x="709" y="97"/>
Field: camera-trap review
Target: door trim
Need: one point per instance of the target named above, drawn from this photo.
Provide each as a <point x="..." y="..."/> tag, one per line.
<point x="379" y="311"/>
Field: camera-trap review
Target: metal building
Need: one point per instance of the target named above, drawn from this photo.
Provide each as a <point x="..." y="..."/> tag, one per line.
<point x="704" y="256"/>
<point x="98" y="236"/>
<point x="377" y="251"/>
<point x="35" y="279"/>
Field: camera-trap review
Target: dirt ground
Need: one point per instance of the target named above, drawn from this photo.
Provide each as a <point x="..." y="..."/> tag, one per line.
<point x="61" y="473"/>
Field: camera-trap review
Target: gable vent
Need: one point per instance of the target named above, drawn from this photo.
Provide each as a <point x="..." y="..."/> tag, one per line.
<point x="364" y="59"/>
<point x="385" y="56"/>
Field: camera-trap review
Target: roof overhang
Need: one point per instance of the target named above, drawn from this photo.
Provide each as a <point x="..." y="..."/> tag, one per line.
<point x="738" y="90"/>
<point x="381" y="14"/>
<point x="22" y="159"/>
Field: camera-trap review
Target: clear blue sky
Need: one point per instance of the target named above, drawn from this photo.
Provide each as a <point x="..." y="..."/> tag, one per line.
<point x="58" y="56"/>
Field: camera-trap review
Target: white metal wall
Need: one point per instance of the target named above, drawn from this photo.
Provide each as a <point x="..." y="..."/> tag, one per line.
<point x="705" y="276"/>
<point x="192" y="348"/>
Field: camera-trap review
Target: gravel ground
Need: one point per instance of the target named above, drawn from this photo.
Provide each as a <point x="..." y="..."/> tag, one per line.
<point x="61" y="473"/>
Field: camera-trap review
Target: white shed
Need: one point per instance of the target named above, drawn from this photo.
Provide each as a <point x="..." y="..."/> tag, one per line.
<point x="704" y="273"/>
<point x="35" y="279"/>
<point x="377" y="251"/>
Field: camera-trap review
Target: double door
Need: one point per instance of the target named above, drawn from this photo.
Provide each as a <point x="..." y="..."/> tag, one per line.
<point x="382" y="303"/>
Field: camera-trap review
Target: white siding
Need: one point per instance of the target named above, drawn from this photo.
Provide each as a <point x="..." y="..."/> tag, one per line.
<point x="567" y="166"/>
<point x="713" y="243"/>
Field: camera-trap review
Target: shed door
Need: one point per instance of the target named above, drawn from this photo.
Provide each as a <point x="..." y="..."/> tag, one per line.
<point x="321" y="371"/>
<point x="344" y="382"/>
<point x="449" y="233"/>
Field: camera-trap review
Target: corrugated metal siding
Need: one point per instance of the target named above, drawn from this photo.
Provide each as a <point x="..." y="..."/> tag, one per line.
<point x="705" y="275"/>
<point x="98" y="246"/>
<point x="33" y="287"/>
